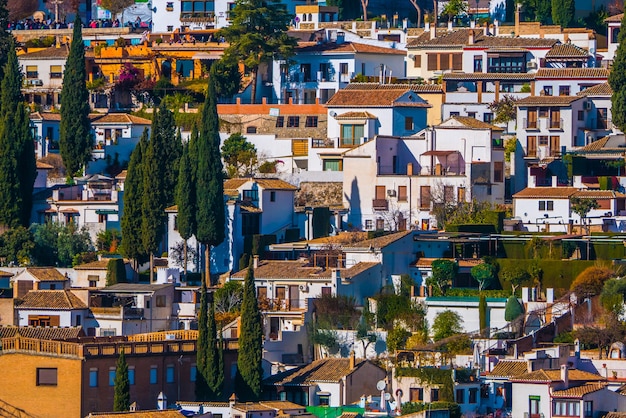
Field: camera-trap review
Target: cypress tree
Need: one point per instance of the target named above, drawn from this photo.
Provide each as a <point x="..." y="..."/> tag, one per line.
<point x="482" y="316"/>
<point x="212" y="353"/>
<point x="249" y="369"/>
<point x="116" y="271"/>
<point x="5" y="36"/>
<point x="617" y="80"/>
<point x="132" y="245"/>
<point x="186" y="200"/>
<point x="121" y="397"/>
<point x="75" y="140"/>
<point x="17" y="154"/>
<point x="202" y="350"/>
<point x="210" y="217"/>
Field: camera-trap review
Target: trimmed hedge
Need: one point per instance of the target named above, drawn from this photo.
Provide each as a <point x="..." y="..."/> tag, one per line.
<point x="557" y="274"/>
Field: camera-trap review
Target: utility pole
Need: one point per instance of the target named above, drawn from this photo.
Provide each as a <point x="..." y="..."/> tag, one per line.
<point x="56" y="8"/>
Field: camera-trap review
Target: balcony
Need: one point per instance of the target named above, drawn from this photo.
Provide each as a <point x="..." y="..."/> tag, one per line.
<point x="117" y="312"/>
<point x="380" y="204"/>
<point x="530" y="125"/>
<point x="555" y="124"/>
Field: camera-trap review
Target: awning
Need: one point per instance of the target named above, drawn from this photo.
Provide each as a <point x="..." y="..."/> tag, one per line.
<point x="322" y="393"/>
<point x="106" y="212"/>
<point x="70" y="210"/>
<point x="439" y="153"/>
<point x="205" y="56"/>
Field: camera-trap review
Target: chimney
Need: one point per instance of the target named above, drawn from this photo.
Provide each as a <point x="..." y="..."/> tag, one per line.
<point x="232" y="400"/>
<point x="255" y="262"/>
<point x="577" y="348"/>
<point x="472" y="24"/>
<point x="409" y="169"/>
<point x="555" y="181"/>
<point x="162" y="401"/>
<point x="336" y="275"/>
<point x="133" y="407"/>
<point x="486" y="30"/>
<point x="470" y="41"/>
<point x="433" y="32"/>
<point x="565" y="375"/>
<point x="352" y="360"/>
<point x="427" y="27"/>
<point x="449" y="25"/>
<point x="496" y="27"/>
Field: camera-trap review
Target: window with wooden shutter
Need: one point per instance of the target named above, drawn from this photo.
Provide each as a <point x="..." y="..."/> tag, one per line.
<point x="300" y="147"/>
<point x="432" y="62"/>
<point x="425" y="197"/>
<point x="417" y="61"/>
<point x="402" y="194"/>
<point x="56" y="71"/>
<point x="457" y="61"/>
<point x="31" y="71"/>
<point x="444" y="62"/>
<point x="46" y="376"/>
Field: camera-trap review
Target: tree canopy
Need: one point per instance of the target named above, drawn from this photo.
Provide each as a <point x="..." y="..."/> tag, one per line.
<point x="239" y="155"/>
<point x="444" y="271"/>
<point x="484" y="274"/>
<point x="591" y="281"/>
<point x="121" y="396"/>
<point x="227" y="78"/>
<point x="582" y="207"/>
<point x="257" y="34"/>
<point x="446" y="324"/>
<point x="617" y="80"/>
<point x="563" y="12"/>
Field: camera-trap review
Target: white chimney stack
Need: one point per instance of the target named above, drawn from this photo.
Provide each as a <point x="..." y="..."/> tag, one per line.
<point x="162" y="401"/>
<point x="565" y="375"/>
<point x="255" y="261"/>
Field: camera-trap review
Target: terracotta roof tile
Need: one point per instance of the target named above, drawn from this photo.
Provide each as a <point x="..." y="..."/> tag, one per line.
<point x="373" y="98"/>
<point x="489" y="76"/>
<point x="356" y="115"/>
<point x="118" y="118"/>
<point x="555" y="376"/>
<point x="45" y="116"/>
<point x="380" y="242"/>
<point x="5" y="274"/>
<point x="603" y="89"/>
<point x="539" y="192"/>
<point x="566" y="51"/>
<point x="473" y="123"/>
<point x="579" y="391"/>
<point x="460" y="38"/>
<point x="598" y="194"/>
<point x="269" y="184"/>
<point x="329" y="370"/>
<point x="595" y="73"/>
<point x="168" y="413"/>
<point x="42" y="333"/>
<point x="418" y="88"/>
<point x="614" y="414"/>
<point x="43" y="166"/>
<point x="51" y="299"/>
<point x="46" y="274"/>
<point x="547" y="101"/>
<point x="251" y="407"/>
<point x="347" y="47"/>
<point x="509" y="368"/>
<point x="273" y="269"/>
<point x="94" y="265"/>
<point x="615" y="18"/>
<point x="48" y="53"/>
<point x="281" y="405"/>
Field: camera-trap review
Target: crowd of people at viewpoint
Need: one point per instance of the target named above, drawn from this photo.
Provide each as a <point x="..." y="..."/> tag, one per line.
<point x="32" y="24"/>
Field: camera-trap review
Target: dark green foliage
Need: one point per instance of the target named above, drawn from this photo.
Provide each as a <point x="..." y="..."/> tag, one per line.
<point x="203" y="391"/>
<point x="444" y="272"/>
<point x="326" y="338"/>
<point x="413" y="407"/>
<point x="16" y="246"/>
<point x="227" y="78"/>
<point x="11" y="82"/>
<point x="392" y="307"/>
<point x="212" y="363"/>
<point x="484" y="274"/>
<point x="132" y="245"/>
<point x="557" y="274"/>
<point x="244" y="261"/>
<point x="504" y="109"/>
<point x="75" y="141"/>
<point x="514" y="275"/>
<point x="5" y="36"/>
<point x="229" y="297"/>
<point x="513" y="309"/>
<point x="396" y="339"/>
<point x="186" y="196"/>
<point x="210" y="217"/>
<point x="258" y="34"/>
<point x="58" y="245"/>
<point x="257" y="245"/>
<point x="617" y="80"/>
<point x="482" y="316"/>
<point x="348" y="9"/>
<point x="108" y="240"/>
<point x="432" y="376"/>
<point x="613" y="295"/>
<point x="582" y="206"/>
<point x="239" y="155"/>
<point x="446" y="324"/>
<point x="563" y="12"/>
<point x="336" y="312"/>
<point x="537" y="10"/>
<point x="121" y="396"/>
<point x="249" y="370"/>
<point x="116" y="271"/>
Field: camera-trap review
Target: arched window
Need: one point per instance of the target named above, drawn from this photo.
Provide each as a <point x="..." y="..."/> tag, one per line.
<point x="310" y="17"/>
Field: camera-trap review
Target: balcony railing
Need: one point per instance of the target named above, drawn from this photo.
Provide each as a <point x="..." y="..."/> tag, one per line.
<point x="556" y="124"/>
<point x="380" y="204"/>
<point x="530" y="124"/>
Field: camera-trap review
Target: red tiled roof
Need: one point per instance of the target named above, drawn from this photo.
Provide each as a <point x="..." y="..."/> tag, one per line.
<point x="347" y="47"/>
<point x="595" y="73"/>
<point x="509" y="368"/>
<point x="603" y="89"/>
<point x="615" y="18"/>
<point x="51" y="299"/>
<point x="579" y="391"/>
<point x="566" y="51"/>
<point x="542" y="375"/>
<point x="547" y="101"/>
<point x="540" y="192"/>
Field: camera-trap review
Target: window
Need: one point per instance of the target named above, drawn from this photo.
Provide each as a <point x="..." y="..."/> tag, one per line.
<point x="498" y="171"/>
<point x="46" y="376"/>
<point x="588" y="408"/>
<point x="131" y="375"/>
<point x="533" y="405"/>
<point x="102" y="218"/>
<point x="169" y="6"/>
<point x="93" y="283"/>
<point x="460" y="194"/>
<point x="79" y="320"/>
<point x="471" y="115"/>
<point x="31" y="71"/>
<point x="550" y="205"/>
<point x="326" y="291"/>
<point x="532" y="119"/>
<point x="161" y="301"/>
<point x="351" y="134"/>
<point x="460" y="396"/>
<point x="281" y="292"/>
<point x="153" y="375"/>
<point x="333" y="164"/>
<point x="193" y="372"/>
<point x="417" y="61"/>
<point x="408" y="123"/>
<point x="170" y="28"/>
<point x="547" y="90"/>
<point x="93" y="378"/>
<point x="543" y="140"/>
<point x="565" y="408"/>
<point x="402" y="194"/>
<point x="602" y="118"/>
<point x="506" y="63"/>
<point x="416" y="394"/>
<point x="261" y="292"/>
<point x="488" y="117"/>
<point x="272" y="196"/>
<point x="454" y="114"/>
<point x="251" y="195"/>
<point x="293" y="122"/>
<point x="478" y="63"/>
<point x="343" y="68"/>
<point x="581" y="115"/>
<point x="448" y="194"/>
<point x="369" y="224"/>
<point x="473" y="395"/>
<point x="434" y="395"/>
<point x="542" y="205"/>
<point x="169" y="374"/>
<point x="324" y="400"/>
<point x="543" y="112"/>
<point x="280" y="121"/>
<point x="112" y="377"/>
<point x="380" y="224"/>
<point x="424" y="197"/>
<point x="56" y="71"/>
<point x="311" y="122"/>
<point x="563" y="90"/>
<point x="251" y="130"/>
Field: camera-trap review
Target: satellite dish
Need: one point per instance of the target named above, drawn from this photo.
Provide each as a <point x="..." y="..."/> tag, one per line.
<point x="332" y="113"/>
<point x="381" y="385"/>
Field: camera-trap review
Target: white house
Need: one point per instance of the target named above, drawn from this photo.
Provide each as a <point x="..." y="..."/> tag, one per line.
<point x="38" y="278"/>
<point x="614" y="24"/>
<point x="568" y="81"/>
<point x="43" y="75"/>
<point x="51" y="308"/>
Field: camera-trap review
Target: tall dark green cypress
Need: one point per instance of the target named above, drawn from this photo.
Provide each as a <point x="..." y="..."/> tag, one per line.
<point x="5" y="36"/>
<point x="203" y="391"/>
<point x="617" y="80"/>
<point x="210" y="217"/>
<point x="132" y="244"/>
<point x="249" y="368"/>
<point x="213" y="355"/>
<point x="17" y="154"/>
<point x="121" y="396"/>
<point x="186" y="200"/>
<point x="75" y="142"/>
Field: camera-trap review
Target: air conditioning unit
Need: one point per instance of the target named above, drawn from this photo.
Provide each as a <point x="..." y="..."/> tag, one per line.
<point x="304" y="288"/>
<point x="35" y="82"/>
<point x="391" y="193"/>
<point x="531" y="65"/>
<point x="587" y="105"/>
<point x="364" y="139"/>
